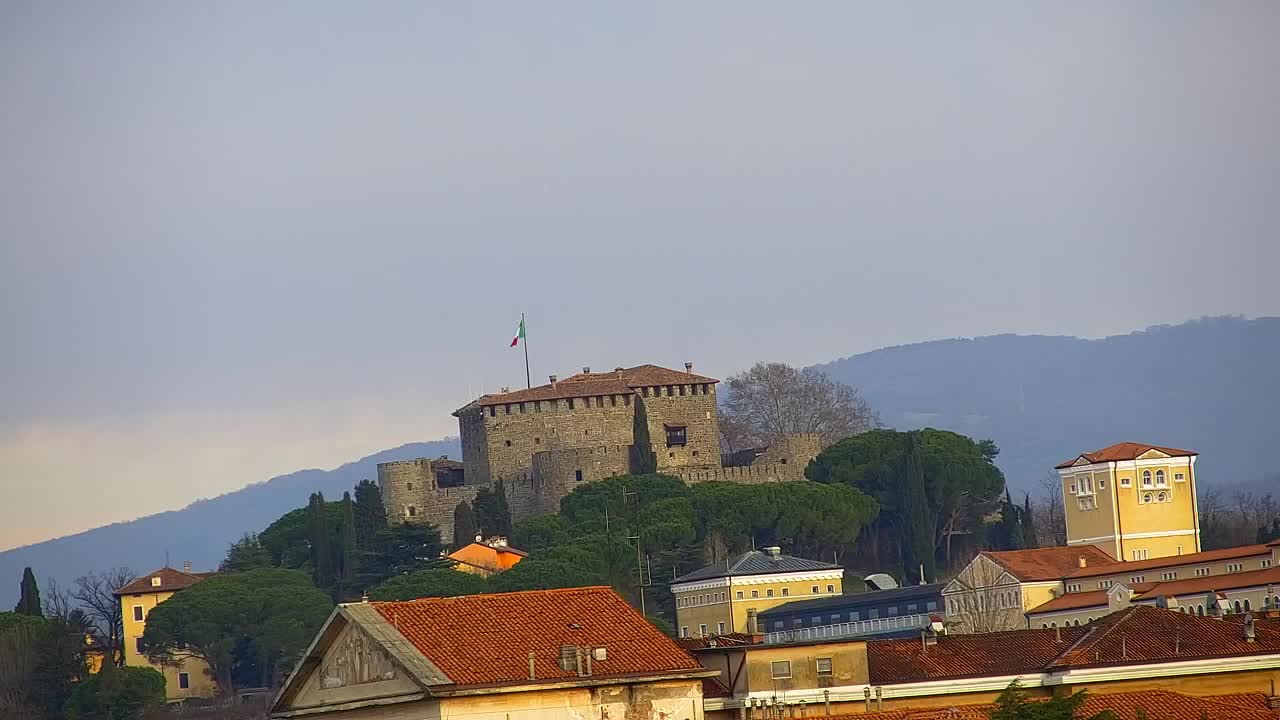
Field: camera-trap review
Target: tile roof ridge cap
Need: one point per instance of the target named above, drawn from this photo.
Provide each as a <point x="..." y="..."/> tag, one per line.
<point x="557" y="591"/>
<point x="1119" y="618"/>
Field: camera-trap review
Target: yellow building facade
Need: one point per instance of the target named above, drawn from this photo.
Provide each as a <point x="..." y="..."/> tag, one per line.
<point x="188" y="678"/>
<point x="1134" y="501"/>
<point x="723" y="597"/>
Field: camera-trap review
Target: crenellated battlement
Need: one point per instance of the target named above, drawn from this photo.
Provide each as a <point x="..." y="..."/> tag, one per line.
<point x="748" y="474"/>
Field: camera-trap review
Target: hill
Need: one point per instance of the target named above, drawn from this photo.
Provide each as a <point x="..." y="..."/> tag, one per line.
<point x="1208" y="385"/>
<point x="201" y="531"/>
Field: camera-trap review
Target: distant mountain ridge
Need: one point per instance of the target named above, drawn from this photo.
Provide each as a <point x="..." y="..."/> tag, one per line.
<point x="1209" y="385"/>
<point x="201" y="531"/>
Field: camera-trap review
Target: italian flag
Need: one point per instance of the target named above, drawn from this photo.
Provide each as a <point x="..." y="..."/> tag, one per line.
<point x="519" y="333"/>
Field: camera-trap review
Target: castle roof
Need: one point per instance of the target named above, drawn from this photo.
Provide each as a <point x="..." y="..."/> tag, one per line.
<point x="622" y="381"/>
<point x="1125" y="451"/>
<point x="756" y="562"/>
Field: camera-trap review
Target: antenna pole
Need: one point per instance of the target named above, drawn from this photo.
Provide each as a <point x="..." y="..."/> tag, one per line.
<point x="528" y="380"/>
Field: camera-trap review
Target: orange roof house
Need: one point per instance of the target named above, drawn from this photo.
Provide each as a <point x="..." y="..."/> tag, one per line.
<point x="1124" y="451"/>
<point x="488" y="557"/>
<point x="584" y="651"/>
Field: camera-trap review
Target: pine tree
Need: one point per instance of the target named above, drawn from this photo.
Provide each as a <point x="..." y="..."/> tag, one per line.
<point x="917" y="541"/>
<point x="493" y="514"/>
<point x="29" y="601"/>
<point x="464" y="525"/>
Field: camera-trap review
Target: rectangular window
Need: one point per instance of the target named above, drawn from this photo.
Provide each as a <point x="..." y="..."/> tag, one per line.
<point x="835" y="619"/>
<point x="831" y="588"/>
<point x="853" y="616"/>
<point x="677" y="436"/>
<point x="893" y="611"/>
<point x="780" y="669"/>
<point x="626" y="401"/>
<point x="786" y="592"/>
<point x="720" y="628"/>
<point x="137" y="613"/>
<point x="814" y="590"/>
<point x="824" y="667"/>
<point x="768" y="593"/>
<point x="1235" y="567"/>
<point x="873" y="614"/>
<point x="1201" y="572"/>
<point x="1266" y="564"/>
<point x="739" y="594"/>
<point x="684" y="631"/>
<point x="931" y="606"/>
<point x="184" y="681"/>
<point x="1125" y="482"/>
<point x="755" y="593"/>
<point x="1102" y="484"/>
<point x="1178" y="477"/>
<point x="1169" y="575"/>
<point x="137" y="645"/>
<point x="797" y="622"/>
<point x="911" y="609"/>
<point x="702" y="630"/>
<point x="682" y="391"/>
<point x="1138" y="578"/>
<point x="817" y="621"/>
<point x="577" y="475"/>
<point x="411" y="511"/>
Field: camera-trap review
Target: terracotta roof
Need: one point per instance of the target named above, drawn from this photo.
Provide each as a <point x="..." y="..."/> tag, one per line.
<point x="693" y="644"/>
<point x="1081" y="600"/>
<point x="1230" y="553"/>
<point x="617" y="382"/>
<point x="1230" y="581"/>
<point x="486" y="639"/>
<point x="1157" y="704"/>
<point x="1052" y="563"/>
<point x="755" y="562"/>
<point x="1125" y="451"/>
<point x="1136" y="635"/>
<point x="170" y="581"/>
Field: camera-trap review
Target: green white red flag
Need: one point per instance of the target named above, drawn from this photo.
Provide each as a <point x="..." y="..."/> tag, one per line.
<point x="519" y="334"/>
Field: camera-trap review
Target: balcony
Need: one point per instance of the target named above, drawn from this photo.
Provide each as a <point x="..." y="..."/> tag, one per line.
<point x="855" y="629"/>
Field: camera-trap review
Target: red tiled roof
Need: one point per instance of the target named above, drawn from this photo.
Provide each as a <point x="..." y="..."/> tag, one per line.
<point x="617" y="382"/>
<point x="486" y="639"/>
<point x="1052" y="563"/>
<point x="170" y="581"/>
<point x="1125" y="451"/>
<point x="1081" y="600"/>
<point x="1230" y="581"/>
<point x="1156" y="704"/>
<point x="1136" y="635"/>
<point x="693" y="644"/>
<point x="1230" y="553"/>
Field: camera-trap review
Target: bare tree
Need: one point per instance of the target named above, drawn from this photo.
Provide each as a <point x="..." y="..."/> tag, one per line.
<point x="57" y="601"/>
<point x="96" y="594"/>
<point x="772" y="400"/>
<point x="1050" y="519"/>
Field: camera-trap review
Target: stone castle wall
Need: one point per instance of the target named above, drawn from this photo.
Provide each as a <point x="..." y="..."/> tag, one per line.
<point x="406" y="484"/>
<point x="690" y="406"/>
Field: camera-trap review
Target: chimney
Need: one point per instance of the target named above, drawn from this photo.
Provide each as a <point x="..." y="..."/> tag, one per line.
<point x="553" y="380"/>
<point x="586" y="369"/>
<point x="1083" y="561"/>
<point x="751" y="622"/>
<point x="1057" y="634"/>
<point x="688" y="367"/>
<point x="879" y="698"/>
<point x="1250" y="632"/>
<point x="1273" y="700"/>
<point x="532" y="676"/>
<point x="773" y="551"/>
<point x="186" y="566"/>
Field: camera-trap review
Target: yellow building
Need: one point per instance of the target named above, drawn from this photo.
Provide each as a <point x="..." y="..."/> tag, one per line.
<point x="722" y="597"/>
<point x="533" y="655"/>
<point x="485" y="558"/>
<point x="1132" y="500"/>
<point x="189" y="677"/>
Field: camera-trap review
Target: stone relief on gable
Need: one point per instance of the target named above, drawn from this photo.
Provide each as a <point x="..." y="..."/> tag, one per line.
<point x="355" y="660"/>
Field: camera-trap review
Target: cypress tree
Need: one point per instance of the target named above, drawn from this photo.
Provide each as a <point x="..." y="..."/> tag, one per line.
<point x="29" y="601"/>
<point x="1029" y="538"/>
<point x="347" y="541"/>
<point x="318" y="539"/>
<point x="370" y="516"/>
<point x="464" y="525"/>
<point x="917" y="541"/>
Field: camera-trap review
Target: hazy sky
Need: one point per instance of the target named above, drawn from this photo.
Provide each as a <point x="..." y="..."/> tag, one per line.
<point x="239" y="239"/>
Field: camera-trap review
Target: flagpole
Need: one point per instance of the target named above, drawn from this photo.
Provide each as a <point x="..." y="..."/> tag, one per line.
<point x="528" y="379"/>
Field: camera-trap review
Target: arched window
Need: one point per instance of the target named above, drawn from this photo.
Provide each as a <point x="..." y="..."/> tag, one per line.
<point x="1246" y="604"/>
<point x="1146" y="497"/>
<point x="1200" y="610"/>
<point x="1162" y="497"/>
<point x="1077" y="623"/>
<point x="1146" y="478"/>
<point x="1044" y="626"/>
<point x="1053" y="624"/>
<point x="1159" y="477"/>
<point x="1237" y="606"/>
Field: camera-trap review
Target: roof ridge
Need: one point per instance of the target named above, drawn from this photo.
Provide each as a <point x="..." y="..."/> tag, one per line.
<point x="557" y="591"/>
<point x="1117" y="619"/>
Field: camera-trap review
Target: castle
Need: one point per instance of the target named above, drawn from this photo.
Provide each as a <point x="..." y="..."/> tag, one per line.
<point x="543" y="441"/>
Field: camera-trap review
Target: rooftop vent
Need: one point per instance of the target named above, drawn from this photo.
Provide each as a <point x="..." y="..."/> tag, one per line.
<point x="688" y="367"/>
<point x="773" y="551"/>
<point x="186" y="566"/>
<point x="586" y="369"/>
<point x="553" y="380"/>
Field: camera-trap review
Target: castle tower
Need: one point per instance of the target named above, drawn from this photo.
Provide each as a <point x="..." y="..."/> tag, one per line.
<point x="407" y="486"/>
<point x="1132" y="500"/>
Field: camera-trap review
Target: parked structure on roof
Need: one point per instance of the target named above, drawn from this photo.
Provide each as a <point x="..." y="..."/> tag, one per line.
<point x="726" y="597"/>
<point x="577" y="652"/>
<point x="189" y="677"/>
<point x="543" y="441"/>
<point x="879" y="613"/>
<point x="1139" y="649"/>
<point x="1133" y="500"/>
<point x="486" y="557"/>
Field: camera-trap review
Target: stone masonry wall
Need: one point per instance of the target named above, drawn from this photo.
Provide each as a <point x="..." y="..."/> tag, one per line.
<point x="693" y="406"/>
<point x="562" y="470"/>
<point x="406" y="484"/>
<point x="515" y="431"/>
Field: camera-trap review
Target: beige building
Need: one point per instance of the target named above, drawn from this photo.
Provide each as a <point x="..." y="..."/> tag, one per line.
<point x="190" y="677"/>
<point x="1134" y="501"/>
<point x="725" y="597"/>
<point x="534" y="655"/>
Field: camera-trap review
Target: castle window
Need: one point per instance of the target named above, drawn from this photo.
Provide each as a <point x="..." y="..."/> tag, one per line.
<point x="613" y="401"/>
<point x="521" y="408"/>
<point x="695" y="453"/>
<point x="670" y="391"/>
<point x="508" y="443"/>
<point x="493" y="410"/>
<point x="570" y="403"/>
<point x="626" y="400"/>
<point x="1146" y="478"/>
<point x="676" y="435"/>
<point x="537" y="441"/>
<point x="410" y="511"/>
<point x="408" y="486"/>
<point x="681" y="391"/>
<point x="537" y="406"/>
<point x="577" y="475"/>
<point x="506" y="409"/>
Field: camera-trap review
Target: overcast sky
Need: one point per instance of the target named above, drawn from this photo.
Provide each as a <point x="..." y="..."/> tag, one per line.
<point x="239" y="239"/>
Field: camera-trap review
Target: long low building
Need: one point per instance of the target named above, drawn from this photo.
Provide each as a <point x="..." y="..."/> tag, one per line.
<point x="897" y="611"/>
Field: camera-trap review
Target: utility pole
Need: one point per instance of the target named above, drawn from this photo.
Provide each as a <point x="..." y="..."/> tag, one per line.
<point x="640" y="583"/>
